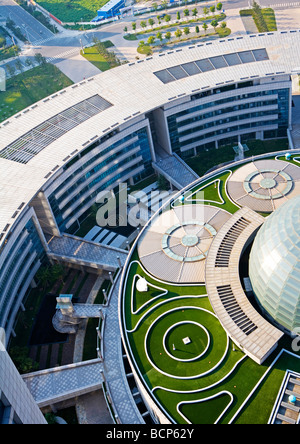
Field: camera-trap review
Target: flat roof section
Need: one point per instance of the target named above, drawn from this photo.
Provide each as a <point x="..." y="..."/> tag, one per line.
<point x="264" y="185"/>
<point x="175" y="245"/>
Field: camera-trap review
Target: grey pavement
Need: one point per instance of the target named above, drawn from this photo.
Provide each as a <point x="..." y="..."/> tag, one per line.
<point x="77" y="68"/>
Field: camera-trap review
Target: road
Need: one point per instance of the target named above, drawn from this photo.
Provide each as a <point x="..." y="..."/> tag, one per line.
<point x="64" y="47"/>
<point x="32" y="29"/>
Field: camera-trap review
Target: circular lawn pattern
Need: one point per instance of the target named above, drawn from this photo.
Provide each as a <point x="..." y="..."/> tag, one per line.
<point x="186" y="341"/>
<point x="206" y="354"/>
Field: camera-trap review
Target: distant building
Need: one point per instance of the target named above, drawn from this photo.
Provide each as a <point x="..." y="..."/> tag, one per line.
<point x="111" y="9"/>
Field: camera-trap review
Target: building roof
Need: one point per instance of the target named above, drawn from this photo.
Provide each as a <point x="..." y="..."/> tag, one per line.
<point x="239" y="318"/>
<point x="132" y="89"/>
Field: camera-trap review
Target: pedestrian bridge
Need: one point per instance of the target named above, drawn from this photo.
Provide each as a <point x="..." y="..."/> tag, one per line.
<point x="72" y="249"/>
<point x="60" y="383"/>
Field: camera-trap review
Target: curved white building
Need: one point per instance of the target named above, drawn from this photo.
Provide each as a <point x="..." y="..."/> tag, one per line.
<point x="57" y="155"/>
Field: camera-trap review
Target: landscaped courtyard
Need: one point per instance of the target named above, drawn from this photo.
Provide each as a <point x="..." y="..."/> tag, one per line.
<point x="187" y="362"/>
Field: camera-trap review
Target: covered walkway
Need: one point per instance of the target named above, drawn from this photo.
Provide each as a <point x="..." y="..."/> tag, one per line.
<point x="60" y="383"/>
<point x="72" y="249"/>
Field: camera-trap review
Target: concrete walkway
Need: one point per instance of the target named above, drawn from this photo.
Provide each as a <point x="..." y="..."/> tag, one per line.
<point x="77" y="68"/>
<point x="287" y="19"/>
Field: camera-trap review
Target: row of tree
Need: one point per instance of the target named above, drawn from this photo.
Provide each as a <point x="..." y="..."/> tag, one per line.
<point x="12" y="70"/>
<point x="165" y="3"/>
<point x="167" y="17"/>
<point x="109" y="56"/>
<point x="259" y="18"/>
<point x="179" y="32"/>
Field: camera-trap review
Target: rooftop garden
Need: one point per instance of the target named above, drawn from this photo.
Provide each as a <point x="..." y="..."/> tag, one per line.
<point x="182" y="354"/>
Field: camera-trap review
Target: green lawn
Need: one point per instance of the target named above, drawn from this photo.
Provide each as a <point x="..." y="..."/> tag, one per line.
<point x="269" y="16"/>
<point x="206" y="160"/>
<point x="207" y="380"/>
<point x="93" y="56"/>
<point x="73" y="11"/>
<point x="29" y="87"/>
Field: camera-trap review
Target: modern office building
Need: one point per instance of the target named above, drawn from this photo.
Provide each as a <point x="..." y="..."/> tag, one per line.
<point x="58" y="154"/>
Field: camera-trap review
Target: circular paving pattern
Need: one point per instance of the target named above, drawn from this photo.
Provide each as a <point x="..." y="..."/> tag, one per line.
<point x="268" y="183"/>
<point x="264" y="185"/>
<point x="176" y="237"/>
<point x="277" y="182"/>
<point x="189" y="240"/>
<point x="175" y="245"/>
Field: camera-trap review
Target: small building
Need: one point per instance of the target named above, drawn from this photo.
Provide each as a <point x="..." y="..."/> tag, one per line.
<point x="111" y="9"/>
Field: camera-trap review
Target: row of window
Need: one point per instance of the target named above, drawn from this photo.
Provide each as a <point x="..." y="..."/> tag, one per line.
<point x="141" y="141"/>
<point x="227" y="130"/>
<point x="281" y="116"/>
<point x="18" y="265"/>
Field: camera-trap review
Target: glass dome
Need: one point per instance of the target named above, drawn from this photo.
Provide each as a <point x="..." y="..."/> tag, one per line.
<point x="274" y="266"/>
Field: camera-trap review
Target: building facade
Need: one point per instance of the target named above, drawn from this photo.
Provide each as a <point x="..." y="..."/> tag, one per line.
<point x="57" y="155"/>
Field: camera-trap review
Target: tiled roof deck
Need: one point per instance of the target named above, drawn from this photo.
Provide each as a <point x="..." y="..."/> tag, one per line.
<point x="247" y="328"/>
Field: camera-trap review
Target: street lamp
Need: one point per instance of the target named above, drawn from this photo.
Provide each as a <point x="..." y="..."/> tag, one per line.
<point x="82" y="48"/>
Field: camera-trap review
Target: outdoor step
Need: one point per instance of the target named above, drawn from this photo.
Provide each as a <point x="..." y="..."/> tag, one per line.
<point x="295" y="381"/>
<point x="285" y="418"/>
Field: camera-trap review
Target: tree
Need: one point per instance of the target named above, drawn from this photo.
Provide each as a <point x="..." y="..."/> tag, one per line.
<point x="38" y="58"/>
<point x="178" y="33"/>
<point x="186" y="30"/>
<point x="212" y="9"/>
<point x="219" y="6"/>
<point x="155" y="6"/>
<point x="167" y="18"/>
<point x="159" y="36"/>
<point x="194" y="12"/>
<point x="205" y="26"/>
<point x="2" y="41"/>
<point x="10" y="69"/>
<point x="56" y="273"/>
<point x="168" y="35"/>
<point x="125" y="29"/>
<point x="205" y="11"/>
<point x="43" y="275"/>
<point x="223" y="25"/>
<point x="214" y="24"/>
<point x="151" y="40"/>
<point x="186" y="12"/>
<point x="133" y="26"/>
<point x="164" y="3"/>
<point x="197" y="30"/>
<point x="19" y="66"/>
<point x="22" y="361"/>
<point x="143" y="24"/>
<point x="151" y="22"/>
<point x="178" y="15"/>
<point x="28" y="63"/>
